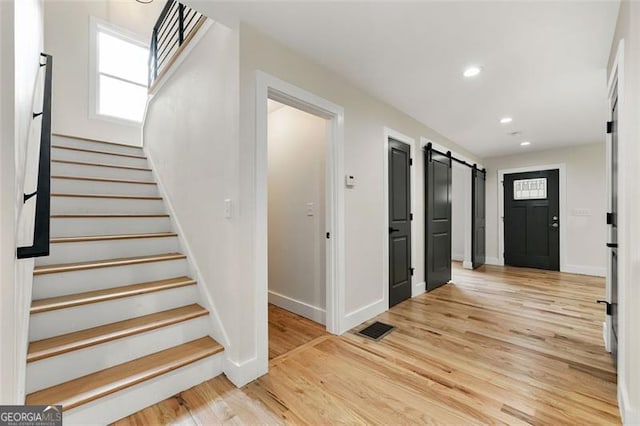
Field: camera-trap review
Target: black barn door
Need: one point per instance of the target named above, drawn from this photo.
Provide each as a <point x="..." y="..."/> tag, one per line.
<point x="399" y="222"/>
<point x="438" y="219"/>
<point x="532" y="220"/>
<point x="478" y="250"/>
<point x="612" y="221"/>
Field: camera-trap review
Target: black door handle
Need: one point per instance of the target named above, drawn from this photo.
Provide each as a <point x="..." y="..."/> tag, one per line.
<point x="612" y="245"/>
<point x="392" y="230"/>
<point x="607" y="304"/>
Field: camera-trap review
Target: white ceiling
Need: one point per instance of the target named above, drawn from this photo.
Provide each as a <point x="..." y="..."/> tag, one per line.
<point x="543" y="62"/>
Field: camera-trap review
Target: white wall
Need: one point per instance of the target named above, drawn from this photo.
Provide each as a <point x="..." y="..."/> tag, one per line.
<point x="67" y="39"/>
<point x="297" y="143"/>
<point x="21" y="43"/>
<point x="628" y="210"/>
<point x="459" y="213"/>
<point x="586" y="190"/>
<point x="364" y="122"/>
<point x="190" y="135"/>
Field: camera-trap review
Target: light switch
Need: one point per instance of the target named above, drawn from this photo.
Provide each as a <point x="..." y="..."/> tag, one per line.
<point x="227" y="208"/>
<point x="350" y="181"/>
<point x="310" y="209"/>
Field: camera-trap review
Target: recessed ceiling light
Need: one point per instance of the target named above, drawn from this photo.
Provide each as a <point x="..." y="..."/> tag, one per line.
<point x="506" y="120"/>
<point x="525" y="143"/>
<point x="472" y="71"/>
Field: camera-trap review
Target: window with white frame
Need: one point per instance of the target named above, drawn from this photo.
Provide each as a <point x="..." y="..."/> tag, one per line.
<point x="119" y="80"/>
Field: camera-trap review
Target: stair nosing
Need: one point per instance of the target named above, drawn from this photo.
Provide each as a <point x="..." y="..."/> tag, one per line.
<point x="80" y="138"/>
<point x="96" y="296"/>
<point x="100" y="179"/>
<point x="107" y="263"/>
<point x="107" y="388"/>
<point x="95" y="151"/>
<point x="125" y="197"/>
<point x="109" y="336"/>
<point x="113" y="166"/>
<point x="114" y="237"/>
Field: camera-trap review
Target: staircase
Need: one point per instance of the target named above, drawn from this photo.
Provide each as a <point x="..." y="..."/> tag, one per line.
<point x="116" y="323"/>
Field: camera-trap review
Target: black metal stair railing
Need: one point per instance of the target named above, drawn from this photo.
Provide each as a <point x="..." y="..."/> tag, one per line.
<point x="41" y="233"/>
<point x="175" y="26"/>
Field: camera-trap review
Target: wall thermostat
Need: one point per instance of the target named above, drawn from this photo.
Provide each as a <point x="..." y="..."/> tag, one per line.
<point x="350" y="181"/>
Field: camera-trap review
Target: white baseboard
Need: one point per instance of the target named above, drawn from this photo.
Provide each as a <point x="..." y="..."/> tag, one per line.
<point x="363" y="314"/>
<point x="418" y="289"/>
<point x="630" y="415"/>
<point x="494" y="261"/>
<point x="605" y="336"/>
<point x="298" y="307"/>
<point x="596" y="271"/>
<point x="467" y="265"/>
<point x="457" y="257"/>
<point x="241" y="373"/>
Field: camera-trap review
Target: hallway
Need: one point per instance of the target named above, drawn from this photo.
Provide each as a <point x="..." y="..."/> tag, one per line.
<point x="500" y="345"/>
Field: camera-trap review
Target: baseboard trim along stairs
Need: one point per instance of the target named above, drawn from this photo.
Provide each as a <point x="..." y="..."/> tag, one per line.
<point x="117" y="323"/>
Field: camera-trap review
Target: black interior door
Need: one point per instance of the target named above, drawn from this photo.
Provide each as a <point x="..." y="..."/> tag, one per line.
<point x="478" y="187"/>
<point x="399" y="222"/>
<point x="612" y="220"/>
<point x="532" y="220"/>
<point x="438" y="219"/>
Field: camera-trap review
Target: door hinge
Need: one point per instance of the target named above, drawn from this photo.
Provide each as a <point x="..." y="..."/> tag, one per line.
<point x="328" y="235"/>
<point x="609" y="127"/>
<point x="411" y="270"/>
<point x="609" y="218"/>
<point x="411" y="161"/>
<point x="410" y="216"/>
<point x="609" y="306"/>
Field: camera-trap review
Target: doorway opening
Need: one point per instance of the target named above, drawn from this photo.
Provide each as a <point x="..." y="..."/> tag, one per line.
<point x="297" y="144"/>
<point x="272" y="88"/>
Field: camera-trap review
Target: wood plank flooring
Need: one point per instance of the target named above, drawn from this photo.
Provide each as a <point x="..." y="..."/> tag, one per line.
<point x="288" y="331"/>
<point x="497" y="345"/>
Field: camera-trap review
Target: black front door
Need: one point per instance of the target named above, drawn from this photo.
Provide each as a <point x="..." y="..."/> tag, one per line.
<point x="399" y="222"/>
<point x="478" y="250"/>
<point x="532" y="220"/>
<point x="612" y="220"/>
<point x="438" y="219"/>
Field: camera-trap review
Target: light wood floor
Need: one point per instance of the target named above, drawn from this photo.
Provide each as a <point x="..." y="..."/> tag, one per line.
<point x="288" y="331"/>
<point x="498" y="345"/>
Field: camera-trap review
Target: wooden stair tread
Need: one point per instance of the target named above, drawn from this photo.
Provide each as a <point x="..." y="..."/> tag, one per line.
<point x="95" y="151"/>
<point x="100" y="179"/>
<point x="105" y="333"/>
<point x="111" y="237"/>
<point x="80" y="138"/>
<point x="113" y="166"/>
<point x="105" y="382"/>
<point x="94" y="264"/>
<point x="107" y="215"/>
<point x="70" y="300"/>
<point x="126" y="197"/>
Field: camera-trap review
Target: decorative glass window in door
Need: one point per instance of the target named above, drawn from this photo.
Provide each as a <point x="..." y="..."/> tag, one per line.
<point x="530" y="189"/>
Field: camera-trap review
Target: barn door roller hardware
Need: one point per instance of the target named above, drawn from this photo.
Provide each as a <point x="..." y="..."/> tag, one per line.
<point x="430" y="149"/>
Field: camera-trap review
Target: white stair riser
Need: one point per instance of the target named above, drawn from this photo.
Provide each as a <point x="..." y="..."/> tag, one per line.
<point x="93" y="157"/>
<point x="76" y="143"/>
<point x="71" y="365"/>
<point x="60" y="284"/>
<point x="104" y="205"/>
<point x="78" y="186"/>
<point x="126" y="402"/>
<point x="75" y="227"/>
<point x="66" y="169"/>
<point x="111" y="249"/>
<point x="63" y="321"/>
